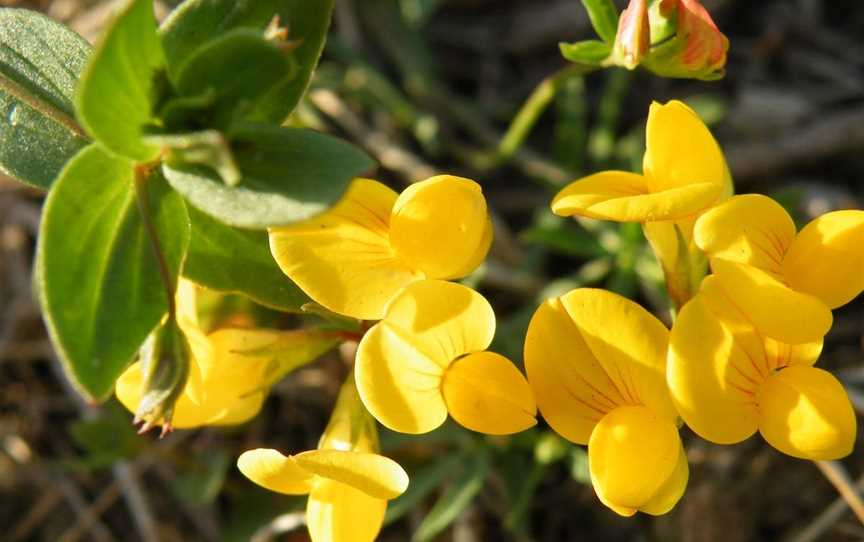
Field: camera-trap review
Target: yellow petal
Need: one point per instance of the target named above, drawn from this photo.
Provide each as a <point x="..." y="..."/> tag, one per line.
<point x="337" y="512"/>
<point x="773" y="308"/>
<point x="782" y="354"/>
<point x="401" y="360"/>
<point x="632" y="454"/>
<point x="485" y="392"/>
<point x="629" y="342"/>
<point x="373" y="474"/>
<point x="186" y="300"/>
<point x="712" y="377"/>
<point x="441" y="226"/>
<point x="670" y="492"/>
<point x="572" y="389"/>
<point x="806" y="413"/>
<point x="274" y="471"/>
<point x="750" y="229"/>
<point x="342" y="259"/>
<point x="444" y="320"/>
<point x="626" y="197"/>
<point x="242" y="410"/>
<point x="827" y="258"/>
<point x="680" y="150"/>
<point x="399" y="384"/>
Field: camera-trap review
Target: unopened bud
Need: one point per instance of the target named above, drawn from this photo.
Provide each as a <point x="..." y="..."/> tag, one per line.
<point x="165" y="358"/>
<point x="672" y="38"/>
<point x="633" y="40"/>
<point x="685" y="41"/>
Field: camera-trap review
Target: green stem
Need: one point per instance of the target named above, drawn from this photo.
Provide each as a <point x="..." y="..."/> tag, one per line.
<point x="20" y="93"/>
<point x="534" y="106"/>
<point x="142" y="174"/>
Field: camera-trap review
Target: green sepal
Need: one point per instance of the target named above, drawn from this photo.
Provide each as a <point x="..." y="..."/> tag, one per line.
<point x="40" y="62"/>
<point x="96" y="273"/>
<point x="117" y="92"/>
<point x="165" y="358"/>
<point x="288" y="175"/>
<point x="229" y="259"/>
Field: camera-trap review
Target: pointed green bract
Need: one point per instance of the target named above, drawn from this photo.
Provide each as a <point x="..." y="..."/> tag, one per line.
<point x="116" y="95"/>
<point x="197" y="22"/>
<point x="96" y="273"/>
<point x="40" y="62"/>
<point x="234" y="260"/>
<point x="288" y="175"/>
<point x="604" y="18"/>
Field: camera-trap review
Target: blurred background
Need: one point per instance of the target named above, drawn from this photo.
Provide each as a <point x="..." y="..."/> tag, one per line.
<point x="429" y="86"/>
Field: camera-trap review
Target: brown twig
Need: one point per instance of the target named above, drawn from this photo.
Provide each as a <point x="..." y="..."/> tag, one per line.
<point x="836" y="474"/>
<point x="827" y="519"/>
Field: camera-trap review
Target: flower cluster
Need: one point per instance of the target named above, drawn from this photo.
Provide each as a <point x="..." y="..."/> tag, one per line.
<point x="381" y="256"/>
<point x="740" y="354"/>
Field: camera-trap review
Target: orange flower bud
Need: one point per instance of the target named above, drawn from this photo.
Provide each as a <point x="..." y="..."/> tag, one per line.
<point x="698" y="49"/>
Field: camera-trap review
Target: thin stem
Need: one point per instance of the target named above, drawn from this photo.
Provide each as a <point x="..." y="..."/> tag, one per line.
<point x="142" y="174"/>
<point x="20" y="93"/>
<point x="836" y="474"/>
<point x="534" y="106"/>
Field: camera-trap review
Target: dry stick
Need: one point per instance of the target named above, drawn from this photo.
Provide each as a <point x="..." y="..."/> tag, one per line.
<point x="827" y="519"/>
<point x="836" y="474"/>
<point x="280" y="525"/>
<point x="125" y="482"/>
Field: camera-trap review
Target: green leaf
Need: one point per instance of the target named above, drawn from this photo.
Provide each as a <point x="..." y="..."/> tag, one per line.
<point x="604" y="18"/>
<point x="455" y="499"/>
<point x="117" y="91"/>
<point x="96" y="273"/>
<point x="40" y="61"/>
<point x="585" y="52"/>
<point x="196" y="22"/>
<point x="233" y="260"/>
<point x="289" y="175"/>
<point x="237" y="69"/>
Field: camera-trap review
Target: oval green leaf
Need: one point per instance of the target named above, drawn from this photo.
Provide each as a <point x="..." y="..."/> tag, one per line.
<point x="97" y="276"/>
<point x="40" y="62"/>
<point x="233" y="260"/>
<point x="236" y="69"/>
<point x="116" y="95"/>
<point x="288" y="175"/>
<point x="197" y="22"/>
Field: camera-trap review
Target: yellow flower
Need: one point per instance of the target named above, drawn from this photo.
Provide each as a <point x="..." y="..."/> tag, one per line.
<point x="230" y="370"/>
<point x="348" y="483"/>
<point x="597" y="364"/>
<point x="684" y="173"/>
<point x="786" y="283"/>
<point x="728" y="380"/>
<point x="355" y="257"/>
<point x="427" y="358"/>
